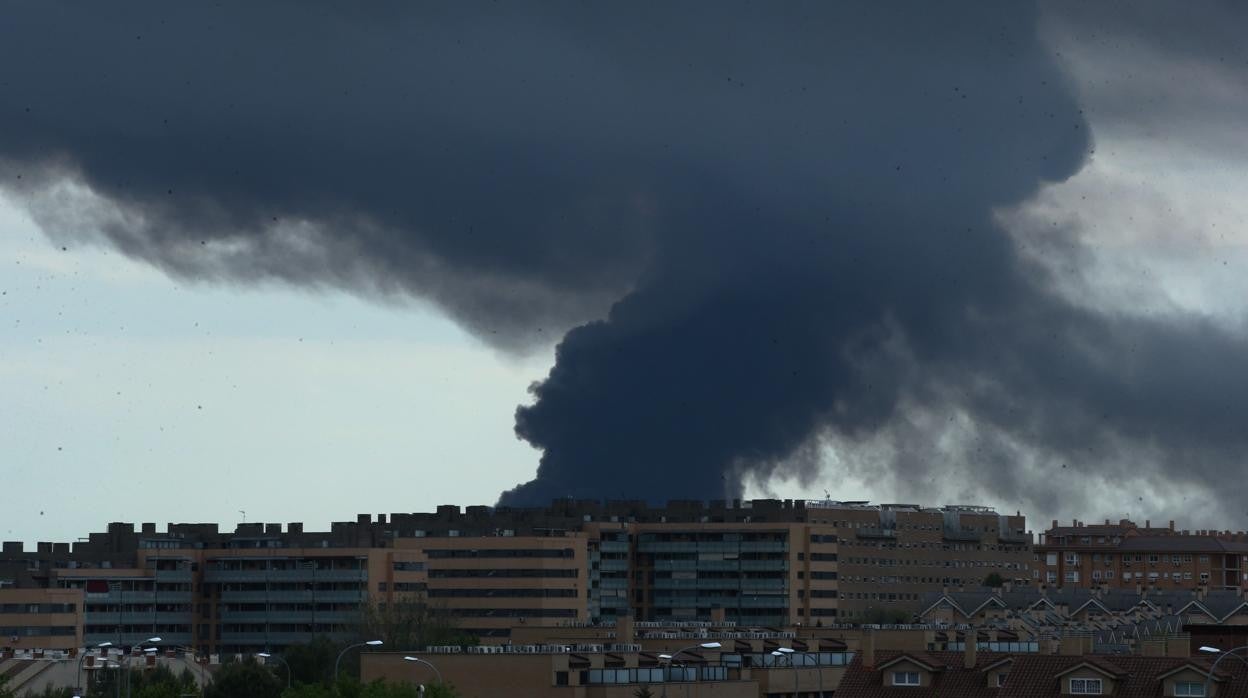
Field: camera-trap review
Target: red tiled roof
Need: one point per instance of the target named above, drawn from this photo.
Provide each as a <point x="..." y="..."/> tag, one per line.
<point x="1032" y="676"/>
<point x="858" y="682"/>
<point x="1035" y="676"/>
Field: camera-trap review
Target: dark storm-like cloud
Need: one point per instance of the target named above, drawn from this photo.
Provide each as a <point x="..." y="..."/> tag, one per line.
<point x="766" y="225"/>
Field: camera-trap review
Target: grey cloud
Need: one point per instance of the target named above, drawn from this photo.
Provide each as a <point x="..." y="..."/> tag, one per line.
<point x="766" y="226"/>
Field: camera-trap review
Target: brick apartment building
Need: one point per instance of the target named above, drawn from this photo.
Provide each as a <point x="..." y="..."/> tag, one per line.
<point x="1126" y="555"/>
<point x="263" y="586"/>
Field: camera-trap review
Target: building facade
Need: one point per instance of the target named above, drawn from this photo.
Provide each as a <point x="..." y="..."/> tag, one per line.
<point x="1124" y="555"/>
<point x="753" y="563"/>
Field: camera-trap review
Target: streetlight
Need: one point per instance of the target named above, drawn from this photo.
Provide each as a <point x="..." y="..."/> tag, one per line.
<point x="278" y="657"/>
<point x="102" y="645"/>
<point x="369" y="643"/>
<point x="667" y="672"/>
<point x="428" y="664"/>
<point x="150" y="641"/>
<point x="788" y="652"/>
<point x="1215" y="650"/>
<point x="195" y="659"/>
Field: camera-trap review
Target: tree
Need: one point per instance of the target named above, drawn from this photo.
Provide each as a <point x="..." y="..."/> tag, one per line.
<point x="4" y="690"/>
<point x="643" y="692"/>
<point x="312" y="662"/>
<point x="411" y="623"/>
<point x="246" y="679"/>
<point x="884" y="616"/>
<point x="351" y="688"/>
<point x="47" y="692"/>
<point x="994" y="580"/>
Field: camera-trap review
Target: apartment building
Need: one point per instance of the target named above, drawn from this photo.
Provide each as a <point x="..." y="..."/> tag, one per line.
<point x="754" y="563"/>
<point x="41" y="619"/>
<point x="891" y="554"/>
<point x="1126" y="555"/>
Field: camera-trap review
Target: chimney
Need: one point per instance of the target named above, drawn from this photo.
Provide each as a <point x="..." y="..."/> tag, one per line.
<point x="624" y="629"/>
<point x="970" y="657"/>
<point x="295" y="527"/>
<point x="1148" y="523"/>
<point x="1054" y="524"/>
<point x="1172" y="525"/>
<point x="868" y="649"/>
<point x="1180" y="646"/>
<point x="149" y="528"/>
<point x="1153" y="648"/>
<point x="718" y="617"/>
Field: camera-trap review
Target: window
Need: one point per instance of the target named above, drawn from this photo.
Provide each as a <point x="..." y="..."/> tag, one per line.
<point x="1188" y="689"/>
<point x="561" y="678"/>
<point x="1072" y="559"/>
<point x="1051" y="559"/>
<point x="906" y="678"/>
<point x="1072" y="576"/>
<point x="1085" y="687"/>
<point x="1001" y="679"/>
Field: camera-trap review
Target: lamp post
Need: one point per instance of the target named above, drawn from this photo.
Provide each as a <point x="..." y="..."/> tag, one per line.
<point x="1223" y="655"/>
<point x="149" y="641"/>
<point x="278" y="657"/>
<point x="82" y="688"/>
<point x="667" y="672"/>
<point x="348" y="648"/>
<point x="418" y="660"/>
<point x="203" y="679"/>
<point x="788" y="652"/>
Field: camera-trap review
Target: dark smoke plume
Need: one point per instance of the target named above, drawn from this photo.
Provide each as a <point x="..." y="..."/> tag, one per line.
<point x="770" y="228"/>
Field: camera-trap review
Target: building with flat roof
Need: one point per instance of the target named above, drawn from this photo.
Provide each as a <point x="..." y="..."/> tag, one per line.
<point x="760" y="563"/>
<point x="1124" y="555"/>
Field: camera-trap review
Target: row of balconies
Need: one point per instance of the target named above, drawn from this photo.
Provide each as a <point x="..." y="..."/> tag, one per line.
<point x="712" y="601"/>
<point x="277" y="616"/>
<point x="136" y="597"/>
<point x="723" y="565"/>
<point x="744" y="584"/>
<point x="292" y="596"/>
<point x="747" y="546"/>
<point x="299" y="575"/>
<point x="138" y="618"/>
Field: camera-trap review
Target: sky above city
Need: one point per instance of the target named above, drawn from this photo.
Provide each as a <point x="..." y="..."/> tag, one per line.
<point x="293" y="264"/>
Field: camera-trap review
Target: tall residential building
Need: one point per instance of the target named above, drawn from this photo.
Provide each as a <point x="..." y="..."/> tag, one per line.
<point x="755" y="563"/>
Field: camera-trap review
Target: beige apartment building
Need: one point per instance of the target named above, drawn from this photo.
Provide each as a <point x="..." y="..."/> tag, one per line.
<point x="761" y="563"/>
<point x="41" y="619"/>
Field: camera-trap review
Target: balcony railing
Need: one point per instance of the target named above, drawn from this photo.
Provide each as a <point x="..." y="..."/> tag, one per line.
<point x="875" y="532"/>
<point x="960" y="535"/>
<point x="298" y="575"/>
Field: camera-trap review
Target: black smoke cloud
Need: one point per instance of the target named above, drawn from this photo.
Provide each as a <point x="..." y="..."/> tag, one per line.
<point x="769" y="228"/>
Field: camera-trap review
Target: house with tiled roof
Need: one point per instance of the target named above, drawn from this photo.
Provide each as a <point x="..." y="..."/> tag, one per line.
<point x="974" y="674"/>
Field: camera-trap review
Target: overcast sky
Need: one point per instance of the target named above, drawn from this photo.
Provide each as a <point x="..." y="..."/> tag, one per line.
<point x="140" y="382"/>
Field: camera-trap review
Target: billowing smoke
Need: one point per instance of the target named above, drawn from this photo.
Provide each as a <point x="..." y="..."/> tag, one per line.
<point x="767" y="230"/>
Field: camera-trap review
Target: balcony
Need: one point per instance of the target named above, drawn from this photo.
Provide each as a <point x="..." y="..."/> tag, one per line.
<point x="875" y="532"/>
<point x="960" y="535"/>
<point x="1008" y="537"/>
<point x="298" y="575"/>
<point x="280" y="616"/>
<point x="292" y="596"/>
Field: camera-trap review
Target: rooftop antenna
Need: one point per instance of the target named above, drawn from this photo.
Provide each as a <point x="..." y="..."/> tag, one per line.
<point x="244" y="515"/>
<point x="827" y="495"/>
